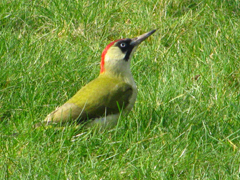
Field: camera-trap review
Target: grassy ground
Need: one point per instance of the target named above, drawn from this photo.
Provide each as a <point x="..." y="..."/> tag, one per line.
<point x="186" y="121"/>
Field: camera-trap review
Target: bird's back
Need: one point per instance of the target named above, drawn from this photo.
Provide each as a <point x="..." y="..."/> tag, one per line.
<point x="101" y="97"/>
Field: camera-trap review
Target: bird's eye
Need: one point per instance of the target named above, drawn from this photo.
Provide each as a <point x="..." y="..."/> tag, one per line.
<point x="122" y="45"/>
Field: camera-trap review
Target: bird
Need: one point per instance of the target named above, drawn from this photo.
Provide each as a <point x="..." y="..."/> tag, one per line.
<point x="111" y="94"/>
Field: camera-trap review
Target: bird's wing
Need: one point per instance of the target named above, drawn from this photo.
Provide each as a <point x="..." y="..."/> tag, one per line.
<point x="115" y="100"/>
<point x="102" y="96"/>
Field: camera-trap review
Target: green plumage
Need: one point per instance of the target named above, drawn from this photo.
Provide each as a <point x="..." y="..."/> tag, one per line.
<point x="101" y="97"/>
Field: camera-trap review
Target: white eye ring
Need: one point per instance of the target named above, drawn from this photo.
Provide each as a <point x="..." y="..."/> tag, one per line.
<point x="123" y="45"/>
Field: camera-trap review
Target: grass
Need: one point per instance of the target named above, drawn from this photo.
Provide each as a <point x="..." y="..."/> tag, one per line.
<point x="186" y="121"/>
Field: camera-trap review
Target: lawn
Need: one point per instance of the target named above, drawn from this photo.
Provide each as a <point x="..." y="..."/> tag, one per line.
<point x="186" y="121"/>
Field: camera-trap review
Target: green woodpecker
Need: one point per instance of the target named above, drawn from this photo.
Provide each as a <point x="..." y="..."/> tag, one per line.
<point x="113" y="92"/>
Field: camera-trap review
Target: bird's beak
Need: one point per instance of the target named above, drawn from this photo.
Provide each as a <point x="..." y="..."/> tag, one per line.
<point x="136" y="41"/>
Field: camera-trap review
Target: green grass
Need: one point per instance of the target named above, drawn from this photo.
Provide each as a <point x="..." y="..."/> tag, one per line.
<point x="181" y="127"/>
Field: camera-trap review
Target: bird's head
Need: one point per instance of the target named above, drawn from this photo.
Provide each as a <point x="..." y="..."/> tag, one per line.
<point x="116" y="56"/>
